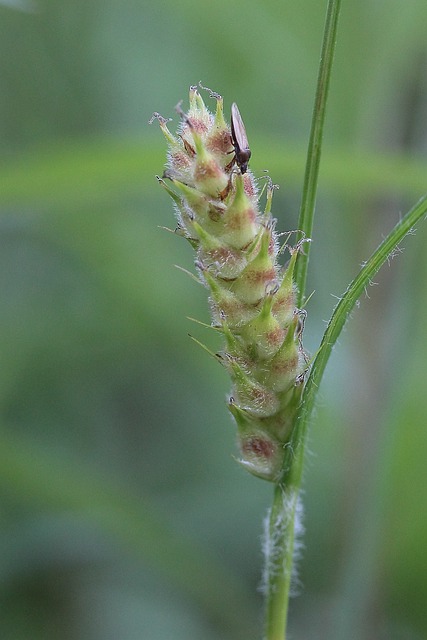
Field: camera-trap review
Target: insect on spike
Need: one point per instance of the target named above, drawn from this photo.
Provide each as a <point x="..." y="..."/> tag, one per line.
<point x="239" y="139"/>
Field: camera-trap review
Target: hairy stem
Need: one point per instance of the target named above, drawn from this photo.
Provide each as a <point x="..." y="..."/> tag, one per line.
<point x="279" y="551"/>
<point x="280" y="535"/>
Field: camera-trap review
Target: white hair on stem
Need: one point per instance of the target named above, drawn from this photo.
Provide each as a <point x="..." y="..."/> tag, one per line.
<point x="272" y="544"/>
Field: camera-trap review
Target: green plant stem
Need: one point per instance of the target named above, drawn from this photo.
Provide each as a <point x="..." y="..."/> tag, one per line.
<point x="308" y="202"/>
<point x="282" y="539"/>
<point x="280" y="536"/>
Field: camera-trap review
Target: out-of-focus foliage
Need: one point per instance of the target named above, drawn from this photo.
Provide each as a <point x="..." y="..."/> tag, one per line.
<point x="123" y="512"/>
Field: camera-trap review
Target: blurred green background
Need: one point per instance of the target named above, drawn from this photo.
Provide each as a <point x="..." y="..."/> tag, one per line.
<point x="123" y="513"/>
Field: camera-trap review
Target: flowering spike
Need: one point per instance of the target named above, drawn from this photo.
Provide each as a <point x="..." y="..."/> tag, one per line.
<point x="252" y="298"/>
